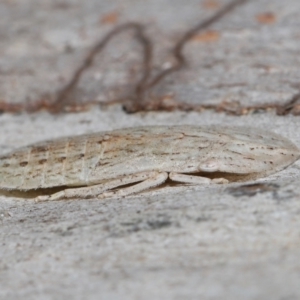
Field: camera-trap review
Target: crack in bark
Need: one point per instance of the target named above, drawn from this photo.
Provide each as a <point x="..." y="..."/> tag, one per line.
<point x="62" y="98"/>
<point x="138" y="101"/>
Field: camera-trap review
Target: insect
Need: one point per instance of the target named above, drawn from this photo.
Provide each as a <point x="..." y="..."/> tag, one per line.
<point x="128" y="161"/>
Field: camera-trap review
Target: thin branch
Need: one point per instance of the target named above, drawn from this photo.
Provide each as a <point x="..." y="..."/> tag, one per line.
<point x="147" y="58"/>
<point x="178" y="48"/>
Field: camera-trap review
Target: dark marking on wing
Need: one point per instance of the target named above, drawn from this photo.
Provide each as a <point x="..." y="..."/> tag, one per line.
<point x="42" y="161"/>
<point x="39" y="149"/>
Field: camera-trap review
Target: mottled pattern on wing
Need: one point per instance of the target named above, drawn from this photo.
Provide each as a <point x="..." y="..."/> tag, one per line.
<point x="253" y="150"/>
<point x="100" y="157"/>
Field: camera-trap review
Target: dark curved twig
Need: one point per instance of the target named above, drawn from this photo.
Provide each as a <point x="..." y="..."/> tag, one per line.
<point x="178" y="48"/>
<point x="139" y="29"/>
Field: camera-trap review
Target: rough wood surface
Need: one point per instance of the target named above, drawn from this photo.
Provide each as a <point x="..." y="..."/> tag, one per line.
<point x="235" y="242"/>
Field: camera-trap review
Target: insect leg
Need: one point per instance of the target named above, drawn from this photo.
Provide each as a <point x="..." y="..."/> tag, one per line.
<point x="192" y="179"/>
<point x="97" y="189"/>
<point x="153" y="179"/>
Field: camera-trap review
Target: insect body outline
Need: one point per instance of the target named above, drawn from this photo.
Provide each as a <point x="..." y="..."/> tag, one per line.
<point x="94" y="165"/>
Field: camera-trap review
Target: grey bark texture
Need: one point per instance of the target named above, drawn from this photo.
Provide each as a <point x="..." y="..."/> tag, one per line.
<point x="236" y="241"/>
